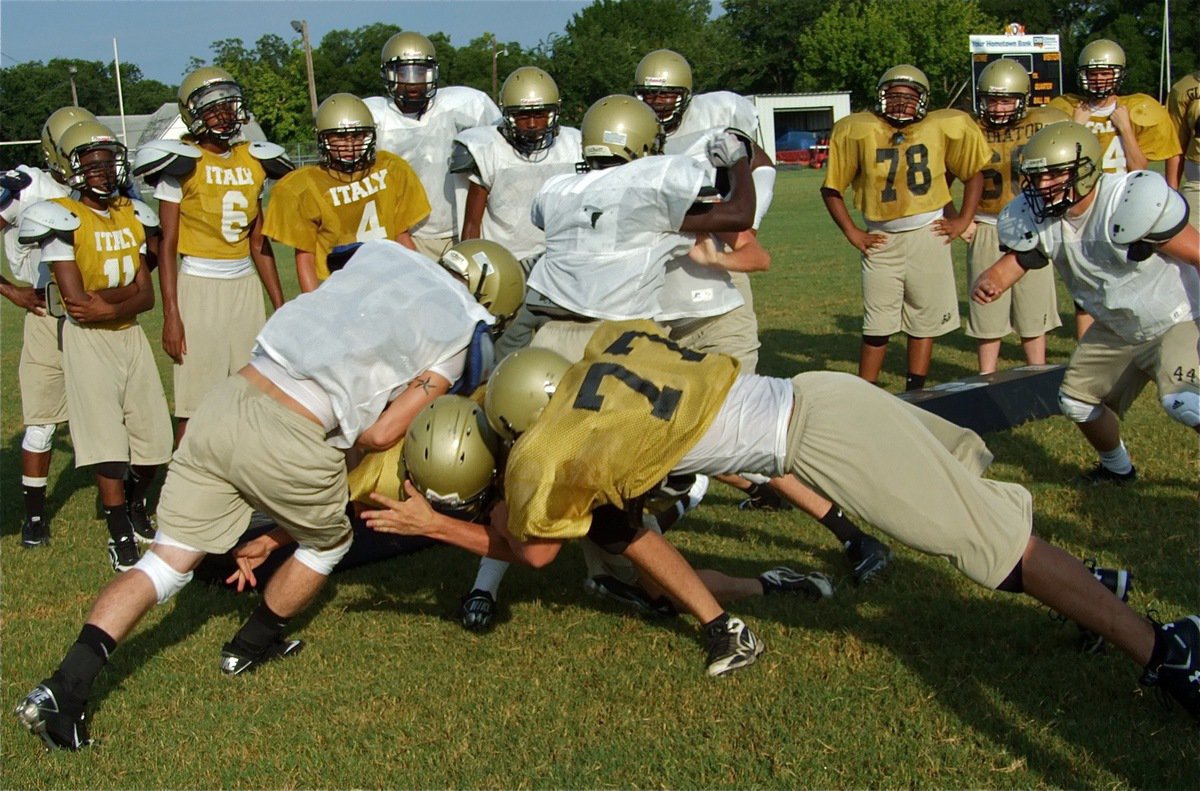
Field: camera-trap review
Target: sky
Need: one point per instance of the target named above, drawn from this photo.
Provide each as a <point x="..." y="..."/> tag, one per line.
<point x="160" y="36"/>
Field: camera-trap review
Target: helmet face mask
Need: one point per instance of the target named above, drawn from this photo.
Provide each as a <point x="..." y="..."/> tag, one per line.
<point x="1059" y="168"/>
<point x="95" y="162"/>
<point x="619" y="129"/>
<point x="529" y="103"/>
<point x="1002" y="93"/>
<point x="409" y="69"/>
<point x="902" y="96"/>
<point x="345" y="134"/>
<point x="211" y="104"/>
<point x="663" y="80"/>
<point x="1100" y="69"/>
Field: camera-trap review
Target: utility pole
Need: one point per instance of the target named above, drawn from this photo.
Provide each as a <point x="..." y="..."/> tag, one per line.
<point x="301" y="27"/>
<point x="71" y="72"/>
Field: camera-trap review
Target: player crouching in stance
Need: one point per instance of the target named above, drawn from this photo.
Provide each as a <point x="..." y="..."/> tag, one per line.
<point x="274" y="438"/>
<point x="1124" y="248"/>
<point x="643" y="406"/>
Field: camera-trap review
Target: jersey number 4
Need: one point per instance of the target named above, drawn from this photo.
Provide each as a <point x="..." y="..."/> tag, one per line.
<point x="917" y="173"/>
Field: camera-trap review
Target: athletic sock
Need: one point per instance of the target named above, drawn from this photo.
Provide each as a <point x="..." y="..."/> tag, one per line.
<point x="118" y="521"/>
<point x="137" y="484"/>
<point x="914" y="381"/>
<point x="260" y="630"/>
<point x="491" y="574"/>
<point x="34" y="492"/>
<point x="84" y="661"/>
<point x="842" y="528"/>
<point x="1117" y="460"/>
<point x="720" y="621"/>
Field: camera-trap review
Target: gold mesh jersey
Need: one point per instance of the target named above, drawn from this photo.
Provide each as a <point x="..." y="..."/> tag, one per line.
<point x="619" y="421"/>
<point x="1150" y="123"/>
<point x="220" y="204"/>
<point x="1183" y="107"/>
<point x="315" y="209"/>
<point x="1001" y="175"/>
<point x="901" y="172"/>
<point x="107" y="249"/>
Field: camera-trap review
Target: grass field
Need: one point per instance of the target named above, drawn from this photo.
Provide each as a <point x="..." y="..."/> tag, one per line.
<point x="923" y="681"/>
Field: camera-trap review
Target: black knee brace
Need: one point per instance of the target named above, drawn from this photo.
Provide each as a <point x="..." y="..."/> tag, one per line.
<point x="875" y="340"/>
<point x="612" y="529"/>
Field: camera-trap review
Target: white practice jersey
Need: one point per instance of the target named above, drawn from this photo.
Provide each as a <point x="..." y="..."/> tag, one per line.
<point x="611" y="232"/>
<point x="426" y="141"/>
<point x="25" y="260"/>
<point x="1138" y="300"/>
<point x="693" y="290"/>
<point x="385" y="317"/>
<point x="513" y="180"/>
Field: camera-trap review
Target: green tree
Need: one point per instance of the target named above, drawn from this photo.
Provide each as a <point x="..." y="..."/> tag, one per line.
<point x="766" y="36"/>
<point x="30" y="91"/>
<point x="855" y="41"/>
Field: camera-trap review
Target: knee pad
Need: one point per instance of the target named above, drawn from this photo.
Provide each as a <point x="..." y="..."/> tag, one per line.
<point x="1184" y="406"/>
<point x="1077" y="411"/>
<point x="612" y="529"/>
<point x="875" y="340"/>
<point x="38" y="439"/>
<point x="112" y="469"/>
<point x="322" y="561"/>
<point x="167" y="581"/>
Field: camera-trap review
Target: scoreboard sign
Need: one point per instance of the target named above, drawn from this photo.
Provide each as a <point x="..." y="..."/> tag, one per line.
<point x="1039" y="55"/>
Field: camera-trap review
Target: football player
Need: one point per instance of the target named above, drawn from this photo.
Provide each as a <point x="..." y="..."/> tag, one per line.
<point x="354" y="194"/>
<point x="274" y="437"/>
<point x="418" y="120"/>
<point x="645" y="406"/>
<point x="1031" y="308"/>
<point x="95" y="246"/>
<point x="209" y="186"/>
<point x="507" y="164"/>
<point x="1183" y="107"/>
<point x="712" y="310"/>
<point x="897" y="158"/>
<point x="1133" y="129"/>
<point x="43" y="395"/>
<point x="1124" y="248"/>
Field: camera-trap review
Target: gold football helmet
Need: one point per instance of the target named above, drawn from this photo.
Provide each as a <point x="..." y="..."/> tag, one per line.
<point x="493" y="274"/>
<point x="620" y="129"/>
<point x="903" y="107"/>
<point x="345" y="133"/>
<point x="410" y="71"/>
<point x="529" y="102"/>
<point x="663" y="80"/>
<point x="211" y="104"/>
<point x="1002" y="79"/>
<point x="60" y="121"/>
<point x="1100" y="69"/>
<point x="450" y="452"/>
<point x="1060" y="165"/>
<point x="93" y="160"/>
<point x="520" y="388"/>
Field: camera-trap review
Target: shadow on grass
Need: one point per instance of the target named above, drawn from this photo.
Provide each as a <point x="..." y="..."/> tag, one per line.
<point x="66" y="480"/>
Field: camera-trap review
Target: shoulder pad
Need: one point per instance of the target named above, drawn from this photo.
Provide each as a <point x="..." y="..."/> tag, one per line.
<point x="1016" y="227"/>
<point x="159" y="158"/>
<point x="461" y="160"/>
<point x="747" y="141"/>
<point x="1147" y="209"/>
<point x="1144" y="110"/>
<point x="273" y="158"/>
<point x="146" y="215"/>
<point x="11" y="184"/>
<point x="47" y="219"/>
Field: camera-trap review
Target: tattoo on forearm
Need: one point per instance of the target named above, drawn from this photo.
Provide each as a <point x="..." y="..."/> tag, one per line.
<point x="426" y="384"/>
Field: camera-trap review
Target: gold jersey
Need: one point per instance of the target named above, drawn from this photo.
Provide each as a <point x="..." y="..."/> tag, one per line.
<point x="1150" y="123"/>
<point x="900" y="172"/>
<point x="1183" y="108"/>
<point x="220" y="204"/>
<point x="107" y="249"/>
<point x="618" y="422"/>
<point x="1002" y="175"/>
<point x="315" y="209"/>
